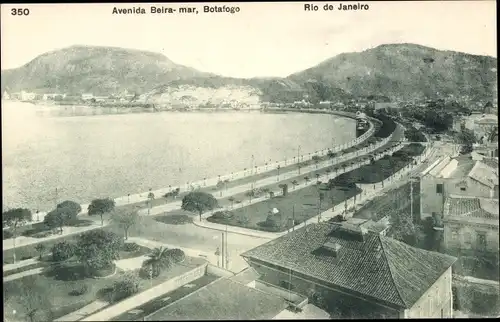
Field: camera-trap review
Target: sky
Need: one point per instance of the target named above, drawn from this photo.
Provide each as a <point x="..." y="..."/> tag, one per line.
<point x="262" y="39"/>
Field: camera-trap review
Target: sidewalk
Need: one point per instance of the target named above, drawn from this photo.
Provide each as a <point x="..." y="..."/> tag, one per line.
<point x="475" y="280"/>
<point x="10" y="267"/>
<point x="84" y="311"/>
<point x="12" y="277"/>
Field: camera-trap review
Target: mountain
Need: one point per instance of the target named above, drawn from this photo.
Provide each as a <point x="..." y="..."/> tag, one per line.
<point x="98" y="70"/>
<point x="395" y="70"/>
<point x="406" y="71"/>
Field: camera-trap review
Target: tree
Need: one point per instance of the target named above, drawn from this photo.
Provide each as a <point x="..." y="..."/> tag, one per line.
<point x="328" y="171"/>
<point x="125" y="287"/>
<point x="402" y="228"/>
<point x="70" y="209"/>
<point x="306" y="179"/>
<point x="284" y="188"/>
<point x="62" y="251"/>
<point x="321" y="198"/>
<point x="96" y="249"/>
<point x="199" y="202"/>
<point x="316" y="160"/>
<point x="40" y="248"/>
<point x="295" y="183"/>
<point x="317" y="177"/>
<point x="158" y="260"/>
<point x="100" y="207"/>
<point x="331" y="154"/>
<point x="55" y="219"/>
<point x="466" y="138"/>
<point x="14" y="218"/>
<point x="151" y="197"/>
<point x="176" y="255"/>
<point x="32" y="299"/>
<point x="231" y="200"/>
<point x="125" y="219"/>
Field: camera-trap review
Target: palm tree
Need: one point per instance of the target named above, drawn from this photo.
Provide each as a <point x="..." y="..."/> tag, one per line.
<point x="295" y="183"/>
<point x="306" y="178"/>
<point x="317" y="177"/>
<point x="328" y="171"/>
<point x="157" y="261"/>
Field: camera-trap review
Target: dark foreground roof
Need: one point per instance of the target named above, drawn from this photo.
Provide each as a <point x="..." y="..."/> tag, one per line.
<point x="224" y="299"/>
<point x="377" y="267"/>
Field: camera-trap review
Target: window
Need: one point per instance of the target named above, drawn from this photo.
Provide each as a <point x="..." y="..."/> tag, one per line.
<point x="439" y="188"/>
<point x="481" y="240"/>
<point x="467" y="239"/>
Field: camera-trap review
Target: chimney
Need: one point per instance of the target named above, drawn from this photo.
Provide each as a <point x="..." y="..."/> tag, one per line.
<point x="333" y="248"/>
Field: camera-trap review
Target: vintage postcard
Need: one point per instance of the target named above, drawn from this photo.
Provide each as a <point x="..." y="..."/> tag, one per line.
<point x="249" y="161"/>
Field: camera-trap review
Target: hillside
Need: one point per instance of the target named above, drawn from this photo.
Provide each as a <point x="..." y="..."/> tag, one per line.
<point x="98" y="70"/>
<point x="396" y="70"/>
<point x="406" y="71"/>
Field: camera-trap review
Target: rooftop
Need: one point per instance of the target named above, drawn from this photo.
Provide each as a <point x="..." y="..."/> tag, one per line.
<point x="484" y="174"/>
<point x="377" y="267"/>
<point x="224" y="299"/>
<point x="463" y="166"/>
<point x="471" y="207"/>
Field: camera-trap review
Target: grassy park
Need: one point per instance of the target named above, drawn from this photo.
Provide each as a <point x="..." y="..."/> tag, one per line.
<point x="65" y="285"/>
<point x="299" y="205"/>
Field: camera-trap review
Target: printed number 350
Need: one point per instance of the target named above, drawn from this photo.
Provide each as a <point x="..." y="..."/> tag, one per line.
<point x="20" y="12"/>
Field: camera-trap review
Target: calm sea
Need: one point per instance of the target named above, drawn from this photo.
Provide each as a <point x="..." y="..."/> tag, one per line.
<point x="87" y="154"/>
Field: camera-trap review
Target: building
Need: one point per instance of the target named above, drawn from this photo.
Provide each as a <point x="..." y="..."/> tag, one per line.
<point x="6" y="95"/>
<point x="53" y="96"/>
<point x="461" y="176"/>
<point x="27" y="96"/>
<point x="471" y="224"/>
<point x="353" y="268"/>
<point x="386" y="107"/>
<point x="87" y="96"/>
<point x="223" y="299"/>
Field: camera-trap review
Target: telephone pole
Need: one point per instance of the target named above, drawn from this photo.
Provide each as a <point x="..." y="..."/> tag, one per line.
<point x="56" y="197"/>
<point x="222" y="252"/>
<point x="227" y="253"/>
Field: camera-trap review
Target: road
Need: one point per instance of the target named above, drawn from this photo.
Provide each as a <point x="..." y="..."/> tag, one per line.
<point x="23" y="241"/>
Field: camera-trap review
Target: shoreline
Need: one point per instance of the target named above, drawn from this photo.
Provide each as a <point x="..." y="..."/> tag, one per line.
<point x="235" y="175"/>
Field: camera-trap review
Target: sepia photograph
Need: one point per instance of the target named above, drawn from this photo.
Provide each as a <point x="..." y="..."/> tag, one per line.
<point x="249" y="161"/>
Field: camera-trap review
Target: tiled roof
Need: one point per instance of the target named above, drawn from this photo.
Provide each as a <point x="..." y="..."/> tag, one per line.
<point x="490" y="162"/>
<point x="484" y="174"/>
<point x="469" y="207"/>
<point x="380" y="268"/>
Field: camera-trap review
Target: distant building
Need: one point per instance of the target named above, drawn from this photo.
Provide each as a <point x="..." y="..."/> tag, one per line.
<point x="87" y="96"/>
<point x="53" y="96"/>
<point x="27" y="96"/>
<point x="352" y="267"/>
<point x="386" y="107"/>
<point x="6" y="95"/>
<point x="459" y="176"/>
<point x="101" y="98"/>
